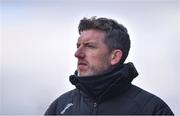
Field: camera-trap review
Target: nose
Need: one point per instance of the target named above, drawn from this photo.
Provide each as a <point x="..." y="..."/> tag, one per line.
<point x="79" y="53"/>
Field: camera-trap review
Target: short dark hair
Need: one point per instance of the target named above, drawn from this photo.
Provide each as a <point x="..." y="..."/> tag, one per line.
<point x="116" y="35"/>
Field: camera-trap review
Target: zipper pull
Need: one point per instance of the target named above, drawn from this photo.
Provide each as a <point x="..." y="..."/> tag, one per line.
<point x="95" y="104"/>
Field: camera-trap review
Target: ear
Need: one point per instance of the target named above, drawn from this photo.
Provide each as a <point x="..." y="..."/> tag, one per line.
<point x="116" y="56"/>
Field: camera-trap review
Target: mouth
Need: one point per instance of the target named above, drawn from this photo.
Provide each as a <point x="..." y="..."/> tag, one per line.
<point x="82" y="65"/>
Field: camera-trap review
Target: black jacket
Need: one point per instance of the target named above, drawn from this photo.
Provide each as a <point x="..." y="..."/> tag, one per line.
<point x="108" y="93"/>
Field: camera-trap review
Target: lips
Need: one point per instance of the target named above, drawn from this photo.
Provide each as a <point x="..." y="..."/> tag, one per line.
<point x="81" y="65"/>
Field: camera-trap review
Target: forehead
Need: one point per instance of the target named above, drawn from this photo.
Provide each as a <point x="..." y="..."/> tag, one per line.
<point x="91" y="35"/>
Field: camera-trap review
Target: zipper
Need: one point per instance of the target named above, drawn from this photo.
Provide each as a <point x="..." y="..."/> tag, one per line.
<point x="94" y="108"/>
<point x="95" y="105"/>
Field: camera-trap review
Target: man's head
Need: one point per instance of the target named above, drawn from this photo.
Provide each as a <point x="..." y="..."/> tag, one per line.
<point x="102" y="45"/>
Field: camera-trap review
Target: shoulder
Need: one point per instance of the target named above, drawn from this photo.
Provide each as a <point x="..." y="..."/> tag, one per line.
<point x="148" y="102"/>
<point x="68" y="95"/>
<point x="60" y="102"/>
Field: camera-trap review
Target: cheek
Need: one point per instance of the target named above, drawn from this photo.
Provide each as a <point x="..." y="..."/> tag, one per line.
<point x="93" y="58"/>
<point x="99" y="59"/>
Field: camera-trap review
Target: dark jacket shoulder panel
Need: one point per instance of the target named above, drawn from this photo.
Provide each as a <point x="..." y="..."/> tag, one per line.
<point x="147" y="102"/>
<point x="65" y="100"/>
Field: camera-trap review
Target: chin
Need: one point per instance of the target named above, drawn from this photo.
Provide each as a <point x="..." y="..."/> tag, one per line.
<point x="81" y="74"/>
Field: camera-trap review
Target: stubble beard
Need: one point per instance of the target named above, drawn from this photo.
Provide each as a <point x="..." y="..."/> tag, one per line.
<point x="94" y="70"/>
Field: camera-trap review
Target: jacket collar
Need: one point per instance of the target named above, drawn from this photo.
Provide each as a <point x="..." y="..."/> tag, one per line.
<point x="106" y="85"/>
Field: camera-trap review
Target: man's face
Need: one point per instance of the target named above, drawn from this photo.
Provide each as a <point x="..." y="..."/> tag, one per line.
<point x="92" y="53"/>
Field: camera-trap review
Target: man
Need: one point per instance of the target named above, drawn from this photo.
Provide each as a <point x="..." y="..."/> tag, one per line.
<point x="103" y="80"/>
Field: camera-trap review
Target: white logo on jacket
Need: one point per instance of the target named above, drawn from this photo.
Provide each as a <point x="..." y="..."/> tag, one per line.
<point x="67" y="106"/>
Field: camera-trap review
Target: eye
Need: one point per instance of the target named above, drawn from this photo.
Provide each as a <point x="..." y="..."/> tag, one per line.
<point x="89" y="45"/>
<point x="77" y="45"/>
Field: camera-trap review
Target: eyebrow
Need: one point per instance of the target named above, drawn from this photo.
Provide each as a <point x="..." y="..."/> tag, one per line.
<point x="87" y="42"/>
<point x="91" y="43"/>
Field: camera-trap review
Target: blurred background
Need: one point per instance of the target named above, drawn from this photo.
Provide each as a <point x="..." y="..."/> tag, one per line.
<point x="38" y="40"/>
